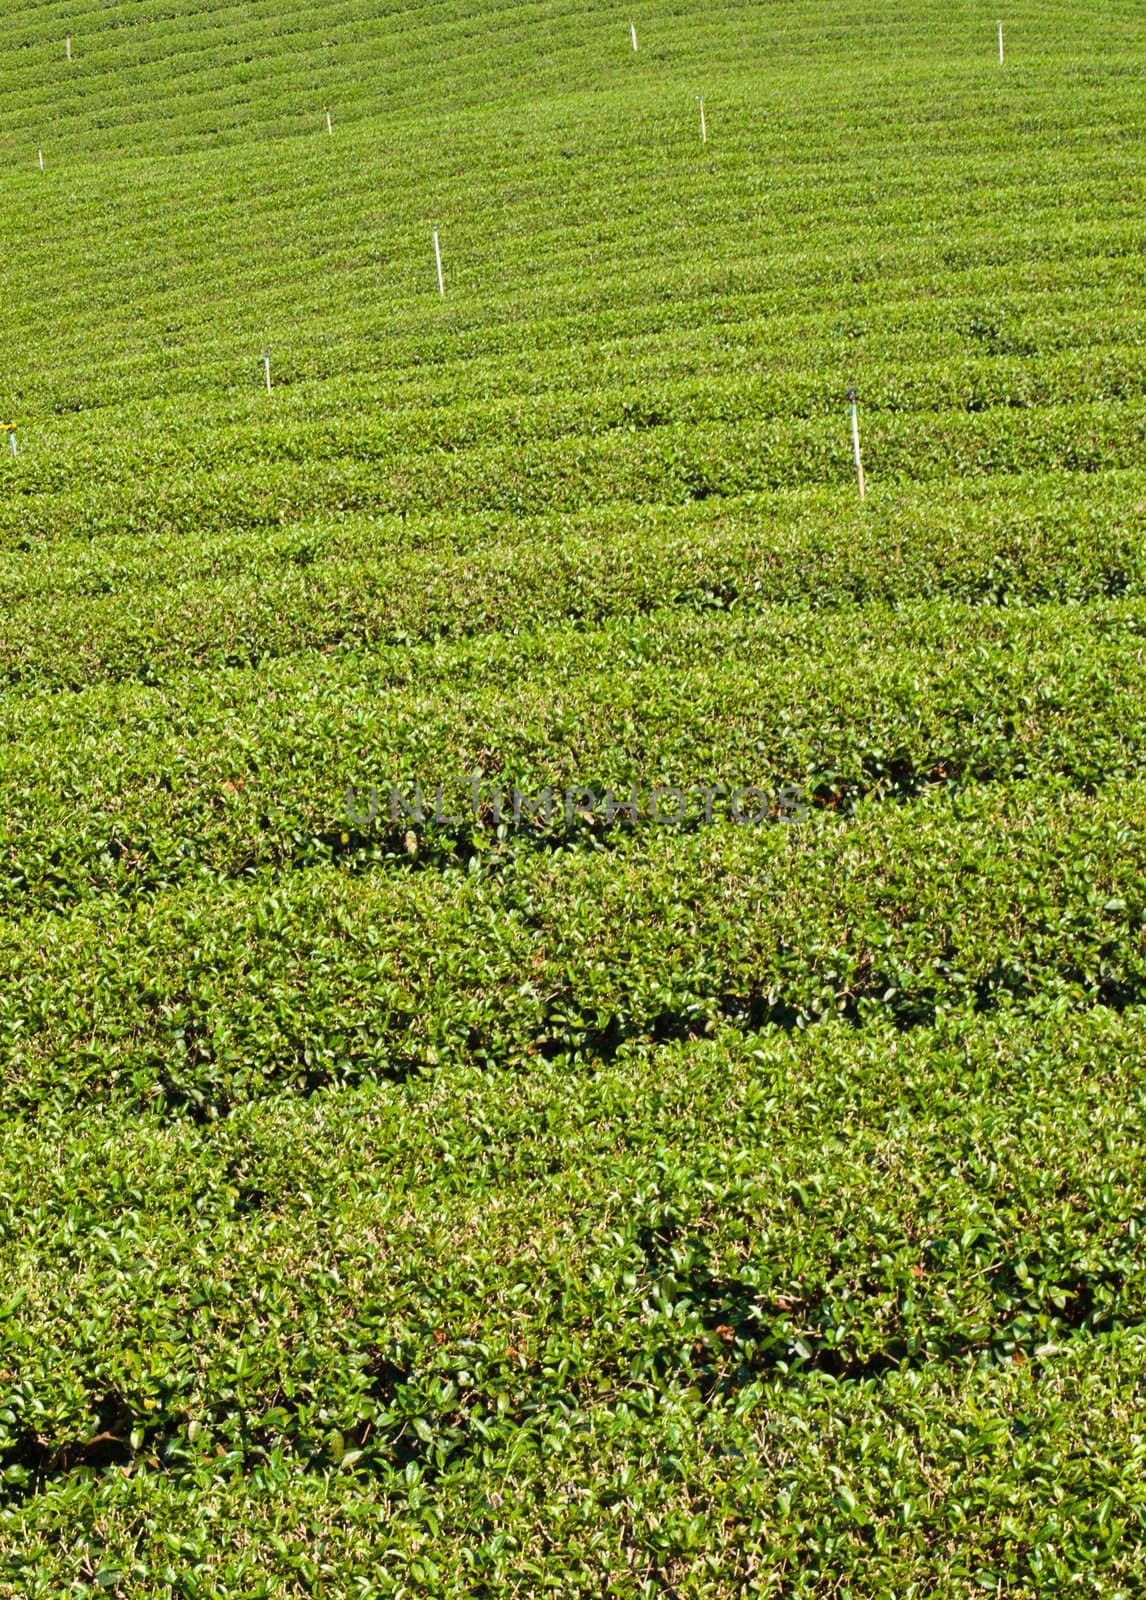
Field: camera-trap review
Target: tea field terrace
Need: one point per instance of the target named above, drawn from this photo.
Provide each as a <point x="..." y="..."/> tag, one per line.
<point x="431" y="1210"/>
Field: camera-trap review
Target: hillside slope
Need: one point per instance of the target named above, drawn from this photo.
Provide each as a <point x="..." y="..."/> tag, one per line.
<point x="402" y="1201"/>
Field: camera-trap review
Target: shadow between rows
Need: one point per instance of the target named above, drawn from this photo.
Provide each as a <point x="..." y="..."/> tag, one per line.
<point x="732" y="1342"/>
<point x="134" y="870"/>
<point x="189" y="1078"/>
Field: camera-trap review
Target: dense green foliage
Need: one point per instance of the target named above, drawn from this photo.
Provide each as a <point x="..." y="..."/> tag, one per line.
<point x="454" y="1208"/>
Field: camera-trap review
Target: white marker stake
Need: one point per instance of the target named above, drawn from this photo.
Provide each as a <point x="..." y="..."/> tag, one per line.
<point x="633" y="31"/>
<point x="856" y="441"/>
<point x="40" y="153"/>
<point x="1000" y="44"/>
<point x="12" y="439"/>
<point x="68" y="47"/>
<point x="329" y="129"/>
<point x="703" y="129"/>
<point x="438" y="258"/>
<point x="267" y="369"/>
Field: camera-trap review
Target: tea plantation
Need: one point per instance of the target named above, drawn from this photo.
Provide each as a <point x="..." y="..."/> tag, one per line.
<point x="411" y="1190"/>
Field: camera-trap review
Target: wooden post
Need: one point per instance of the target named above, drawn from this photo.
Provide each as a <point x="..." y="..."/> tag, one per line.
<point x="267" y="368"/>
<point x="633" y="31"/>
<point x="329" y="129"/>
<point x="438" y="259"/>
<point x="856" y="440"/>
<point x="703" y="129"/>
<point x="68" y="46"/>
<point x="1000" y="44"/>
